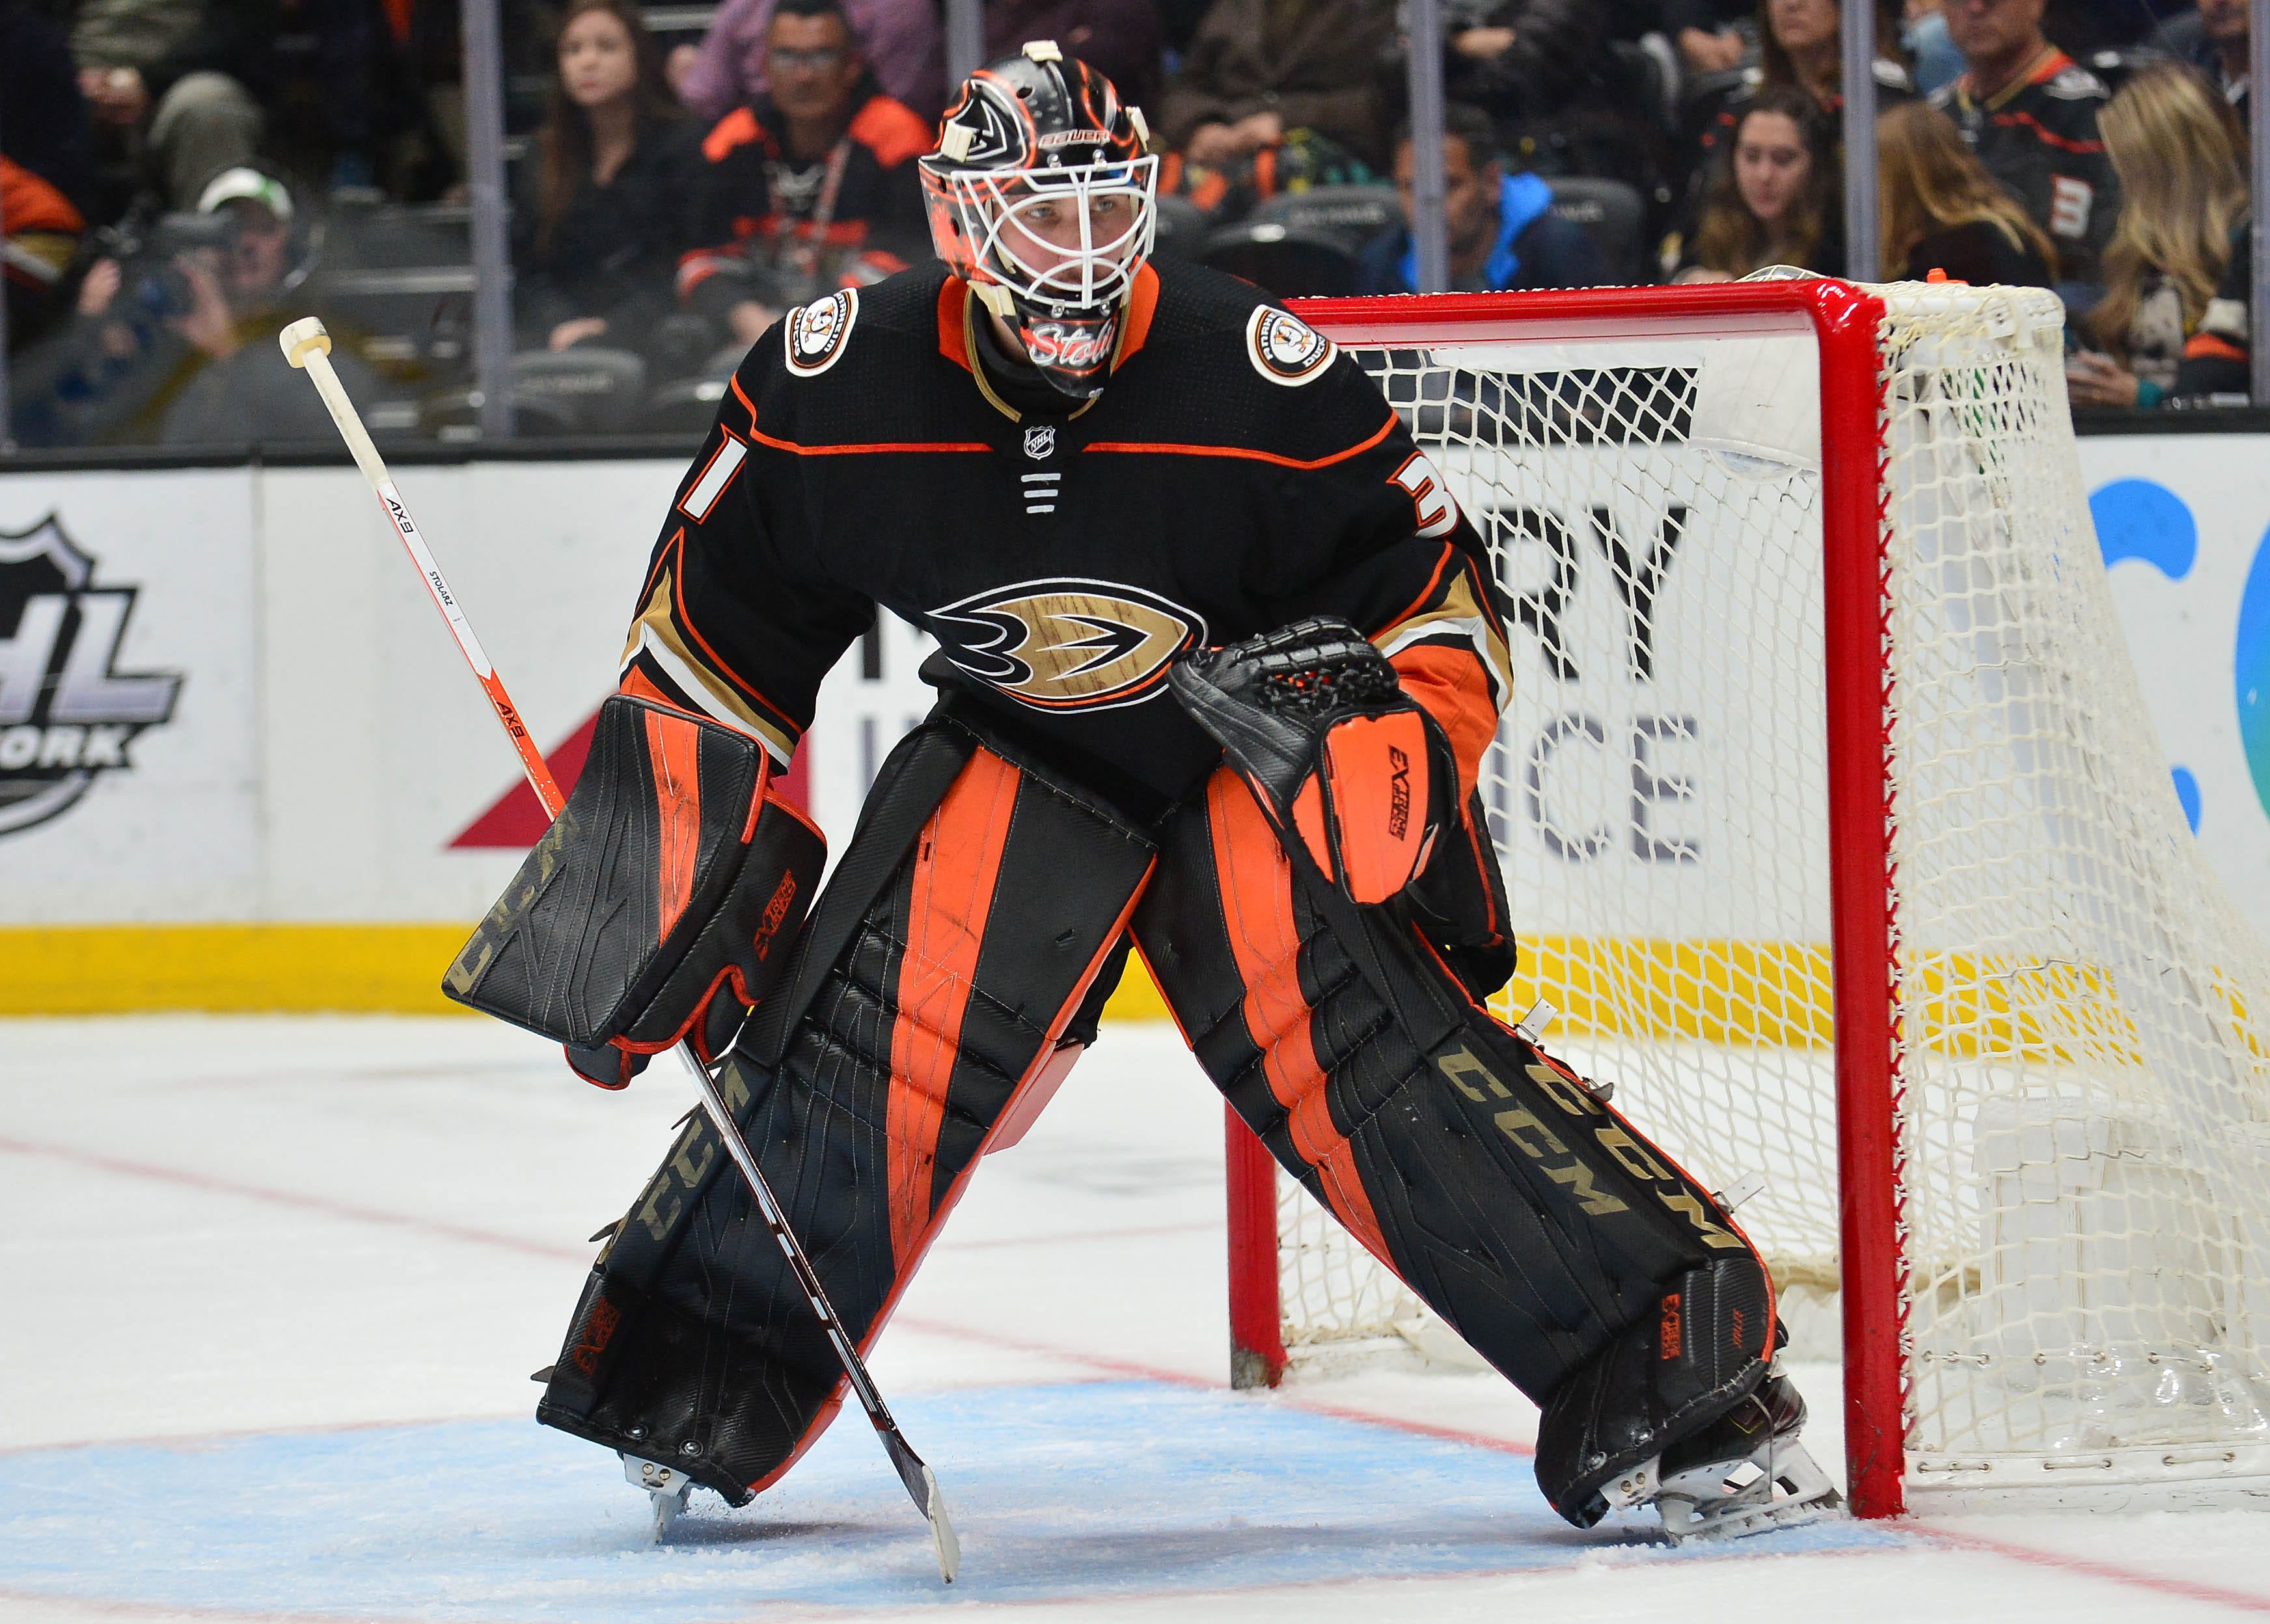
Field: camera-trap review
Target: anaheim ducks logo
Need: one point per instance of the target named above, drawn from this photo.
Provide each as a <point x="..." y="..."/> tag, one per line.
<point x="817" y="331"/>
<point x="1285" y="349"/>
<point x="1067" y="644"/>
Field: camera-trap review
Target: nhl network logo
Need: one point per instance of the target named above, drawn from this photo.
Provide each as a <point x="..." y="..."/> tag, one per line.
<point x="66" y="713"/>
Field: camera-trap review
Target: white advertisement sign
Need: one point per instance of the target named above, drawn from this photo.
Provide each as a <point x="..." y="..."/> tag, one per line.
<point x="224" y="696"/>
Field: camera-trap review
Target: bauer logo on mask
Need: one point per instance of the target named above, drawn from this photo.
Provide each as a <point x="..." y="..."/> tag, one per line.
<point x="66" y="712"/>
<point x="1067" y="644"/>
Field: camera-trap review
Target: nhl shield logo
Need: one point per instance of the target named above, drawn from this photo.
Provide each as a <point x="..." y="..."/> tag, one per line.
<point x="1041" y="442"/>
<point x="66" y="712"/>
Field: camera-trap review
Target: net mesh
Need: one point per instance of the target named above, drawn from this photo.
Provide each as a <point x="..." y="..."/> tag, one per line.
<point x="2084" y="1107"/>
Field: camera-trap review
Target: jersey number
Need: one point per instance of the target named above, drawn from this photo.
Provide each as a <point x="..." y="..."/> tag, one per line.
<point x="1430" y="497"/>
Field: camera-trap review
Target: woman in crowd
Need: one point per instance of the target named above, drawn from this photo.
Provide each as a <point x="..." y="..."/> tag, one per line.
<point x="1773" y="204"/>
<point x="616" y="163"/>
<point x="1940" y="210"/>
<point x="2175" y="144"/>
<point x="1799" y="44"/>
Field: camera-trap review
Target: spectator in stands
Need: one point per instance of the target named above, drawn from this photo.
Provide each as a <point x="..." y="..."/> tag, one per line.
<point x="599" y="239"/>
<point x="1802" y="44"/>
<point x="199" y="84"/>
<point x="1799" y="49"/>
<point x="1940" y="210"/>
<point x="1502" y="228"/>
<point x="1713" y="36"/>
<point x="42" y="231"/>
<point x="155" y="71"/>
<point x="1935" y="62"/>
<point x="1257" y="71"/>
<point x="2030" y="111"/>
<point x="1561" y="94"/>
<point x="812" y="185"/>
<point x="183" y="350"/>
<point x="2213" y="39"/>
<point x="2216" y="366"/>
<point x="1775" y="203"/>
<point x="43" y="114"/>
<point x="901" y="40"/>
<point x="2175" y="144"/>
<point x="1119" y="38"/>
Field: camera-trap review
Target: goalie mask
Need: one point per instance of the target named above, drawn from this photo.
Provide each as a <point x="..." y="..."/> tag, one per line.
<point x="1043" y="199"/>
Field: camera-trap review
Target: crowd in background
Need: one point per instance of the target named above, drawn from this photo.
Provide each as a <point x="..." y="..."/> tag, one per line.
<point x="178" y="178"/>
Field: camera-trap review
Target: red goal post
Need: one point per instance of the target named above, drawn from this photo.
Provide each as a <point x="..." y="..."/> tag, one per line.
<point x="2005" y="956"/>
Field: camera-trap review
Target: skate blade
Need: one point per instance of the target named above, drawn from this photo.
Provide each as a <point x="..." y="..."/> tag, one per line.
<point x="1794" y="1493"/>
<point x="666" y="1486"/>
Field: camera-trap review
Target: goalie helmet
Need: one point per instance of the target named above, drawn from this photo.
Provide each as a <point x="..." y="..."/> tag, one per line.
<point x="1042" y="198"/>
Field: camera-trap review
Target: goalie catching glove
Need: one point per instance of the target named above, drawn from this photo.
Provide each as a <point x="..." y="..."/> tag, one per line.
<point x="1315" y="720"/>
<point x="672" y="876"/>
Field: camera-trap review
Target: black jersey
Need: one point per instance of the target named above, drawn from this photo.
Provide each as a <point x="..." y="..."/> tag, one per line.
<point x="1238" y="472"/>
<point x="2037" y="136"/>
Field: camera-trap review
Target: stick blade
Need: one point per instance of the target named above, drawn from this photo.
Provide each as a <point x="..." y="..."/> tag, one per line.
<point x="922" y="1488"/>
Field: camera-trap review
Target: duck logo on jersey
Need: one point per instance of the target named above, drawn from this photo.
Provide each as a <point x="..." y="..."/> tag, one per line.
<point x="1067" y="644"/>
<point x="817" y="332"/>
<point x="66" y="712"/>
<point x="1285" y="349"/>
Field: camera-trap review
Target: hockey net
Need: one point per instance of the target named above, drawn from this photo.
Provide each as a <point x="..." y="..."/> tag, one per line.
<point x="2044" y="1021"/>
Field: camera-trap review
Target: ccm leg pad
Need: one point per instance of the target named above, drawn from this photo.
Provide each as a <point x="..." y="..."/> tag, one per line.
<point x="1703" y="1351"/>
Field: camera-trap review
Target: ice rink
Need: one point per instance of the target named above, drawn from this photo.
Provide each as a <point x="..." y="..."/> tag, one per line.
<point x="274" y="1288"/>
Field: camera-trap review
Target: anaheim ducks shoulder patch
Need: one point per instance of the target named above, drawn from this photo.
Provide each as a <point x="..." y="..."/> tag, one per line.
<point x="1067" y="643"/>
<point x="818" y="332"/>
<point x="1285" y="349"/>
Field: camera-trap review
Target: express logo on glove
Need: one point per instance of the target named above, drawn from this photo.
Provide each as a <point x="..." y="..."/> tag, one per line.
<point x="1067" y="644"/>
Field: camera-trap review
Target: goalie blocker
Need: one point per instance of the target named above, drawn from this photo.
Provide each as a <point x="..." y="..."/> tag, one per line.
<point x="673" y="874"/>
<point x="970" y="934"/>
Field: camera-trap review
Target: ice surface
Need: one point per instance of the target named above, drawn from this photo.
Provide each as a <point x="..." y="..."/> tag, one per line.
<point x="272" y="1289"/>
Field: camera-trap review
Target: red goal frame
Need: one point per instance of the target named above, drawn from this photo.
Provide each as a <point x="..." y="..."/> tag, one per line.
<point x="1845" y="320"/>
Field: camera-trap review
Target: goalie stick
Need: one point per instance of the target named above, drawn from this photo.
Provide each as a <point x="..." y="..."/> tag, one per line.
<point x="307" y="345"/>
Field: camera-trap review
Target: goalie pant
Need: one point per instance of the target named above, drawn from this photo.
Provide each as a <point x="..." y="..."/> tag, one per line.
<point x="967" y="927"/>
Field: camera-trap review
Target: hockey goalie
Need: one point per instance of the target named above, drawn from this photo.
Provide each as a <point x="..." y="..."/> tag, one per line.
<point x="1219" y="659"/>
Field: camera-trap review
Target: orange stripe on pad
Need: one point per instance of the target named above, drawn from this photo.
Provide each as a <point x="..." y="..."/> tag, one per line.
<point x="673" y="748"/>
<point x="956" y="866"/>
<point x="1256" y="882"/>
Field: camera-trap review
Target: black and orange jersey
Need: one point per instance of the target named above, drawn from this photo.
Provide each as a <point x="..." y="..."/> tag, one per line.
<point x="1238" y="472"/>
<point x="2037" y="136"/>
<point x="755" y="200"/>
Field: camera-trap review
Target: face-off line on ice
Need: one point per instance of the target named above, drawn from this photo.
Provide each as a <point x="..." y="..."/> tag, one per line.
<point x="1243" y="693"/>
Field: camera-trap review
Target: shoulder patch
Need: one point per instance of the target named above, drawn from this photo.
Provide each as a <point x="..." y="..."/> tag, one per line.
<point x="1285" y="349"/>
<point x="819" y="332"/>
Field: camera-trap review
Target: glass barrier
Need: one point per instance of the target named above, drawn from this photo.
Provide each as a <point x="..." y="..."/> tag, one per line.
<point x="529" y="221"/>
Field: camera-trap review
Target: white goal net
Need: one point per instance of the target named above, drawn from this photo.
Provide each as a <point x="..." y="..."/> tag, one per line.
<point x="2080" y="1090"/>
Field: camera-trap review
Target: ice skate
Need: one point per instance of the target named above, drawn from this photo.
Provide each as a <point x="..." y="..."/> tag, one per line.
<point x="667" y="1487"/>
<point x="1743" y="1474"/>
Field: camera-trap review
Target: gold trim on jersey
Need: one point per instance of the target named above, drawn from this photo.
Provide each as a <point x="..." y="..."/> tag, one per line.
<point x="1458" y="614"/>
<point x="657" y="633"/>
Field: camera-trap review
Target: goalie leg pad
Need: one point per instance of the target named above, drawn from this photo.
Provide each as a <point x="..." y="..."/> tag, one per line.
<point x="970" y="913"/>
<point x="1535" y="1221"/>
<point x="672" y="872"/>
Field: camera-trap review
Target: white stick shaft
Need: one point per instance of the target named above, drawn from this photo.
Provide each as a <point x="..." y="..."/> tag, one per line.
<point x="374" y="469"/>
